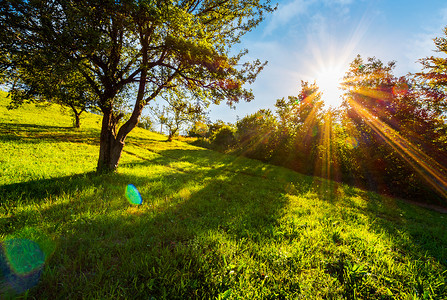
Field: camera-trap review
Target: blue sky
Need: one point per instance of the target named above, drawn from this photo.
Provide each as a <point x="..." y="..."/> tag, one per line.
<point x="302" y="37"/>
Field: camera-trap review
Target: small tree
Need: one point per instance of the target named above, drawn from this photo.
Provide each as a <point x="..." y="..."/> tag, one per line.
<point x="214" y="126"/>
<point x="145" y="123"/>
<point x="176" y="114"/>
<point x="63" y="85"/>
<point x="300" y="121"/>
<point x="255" y="134"/>
<point x="198" y="129"/>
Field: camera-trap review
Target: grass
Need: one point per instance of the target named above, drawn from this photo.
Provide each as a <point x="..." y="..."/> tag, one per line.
<point x="211" y="226"/>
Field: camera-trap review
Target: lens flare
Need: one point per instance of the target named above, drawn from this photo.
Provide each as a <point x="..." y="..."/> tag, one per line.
<point x="401" y="89"/>
<point x="21" y="264"/>
<point x="352" y="142"/>
<point x="133" y="195"/>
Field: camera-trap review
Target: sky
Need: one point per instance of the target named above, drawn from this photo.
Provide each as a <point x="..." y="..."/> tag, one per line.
<point x="303" y="37"/>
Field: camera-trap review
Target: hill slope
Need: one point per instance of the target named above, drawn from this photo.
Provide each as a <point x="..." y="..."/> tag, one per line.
<point x="210" y="226"/>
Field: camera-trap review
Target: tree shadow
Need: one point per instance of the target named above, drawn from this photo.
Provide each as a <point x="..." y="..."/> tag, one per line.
<point x="177" y="235"/>
<point x="32" y="133"/>
<point x="418" y="231"/>
<point x="38" y="190"/>
<point x="36" y="193"/>
<point x="183" y="212"/>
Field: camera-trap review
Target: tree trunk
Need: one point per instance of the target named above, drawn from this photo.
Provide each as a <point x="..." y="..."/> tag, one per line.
<point x="111" y="144"/>
<point x="172" y="132"/>
<point x="108" y="155"/>
<point x="77" y="115"/>
<point x="77" y="121"/>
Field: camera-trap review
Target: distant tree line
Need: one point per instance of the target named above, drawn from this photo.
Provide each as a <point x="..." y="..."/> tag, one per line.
<point x="389" y="135"/>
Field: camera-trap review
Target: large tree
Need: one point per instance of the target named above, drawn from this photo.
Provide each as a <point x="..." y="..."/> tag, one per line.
<point x="151" y="45"/>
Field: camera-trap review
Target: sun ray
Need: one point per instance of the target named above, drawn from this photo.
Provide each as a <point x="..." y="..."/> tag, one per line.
<point x="371" y="92"/>
<point x="426" y="166"/>
<point x="311" y="118"/>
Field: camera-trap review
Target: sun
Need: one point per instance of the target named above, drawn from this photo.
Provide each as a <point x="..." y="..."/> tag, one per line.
<point x="329" y="80"/>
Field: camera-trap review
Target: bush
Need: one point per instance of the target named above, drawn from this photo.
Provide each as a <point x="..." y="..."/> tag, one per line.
<point x="256" y="135"/>
<point x="198" y="130"/>
<point x="224" y="137"/>
<point x="145" y="123"/>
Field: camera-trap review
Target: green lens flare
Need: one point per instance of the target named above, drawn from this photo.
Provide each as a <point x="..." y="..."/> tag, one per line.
<point x="133" y="195"/>
<point x="21" y="264"/>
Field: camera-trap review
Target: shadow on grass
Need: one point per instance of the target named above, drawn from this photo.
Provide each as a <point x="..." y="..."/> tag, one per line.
<point x="37" y="190"/>
<point x="416" y="231"/>
<point x="174" y="236"/>
<point x="176" y="242"/>
<point x="32" y="133"/>
<point x="34" y="193"/>
<point x="181" y="242"/>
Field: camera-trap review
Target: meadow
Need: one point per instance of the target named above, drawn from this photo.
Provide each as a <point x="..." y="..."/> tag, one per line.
<point x="211" y="226"/>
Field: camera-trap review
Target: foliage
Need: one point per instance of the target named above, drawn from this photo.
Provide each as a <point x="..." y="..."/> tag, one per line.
<point x="300" y="127"/>
<point x="396" y="132"/>
<point x="146" y="123"/>
<point x="149" y="47"/>
<point x="177" y="113"/>
<point x="292" y="137"/>
<point x="433" y="78"/>
<point x="213" y="127"/>
<point x="384" y="138"/>
<point x="38" y="81"/>
<point x="211" y="225"/>
<point x="255" y="135"/>
<point x="198" y="129"/>
<point x="224" y="137"/>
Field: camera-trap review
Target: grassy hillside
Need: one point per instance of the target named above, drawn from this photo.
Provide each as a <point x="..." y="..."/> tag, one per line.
<point x="211" y="226"/>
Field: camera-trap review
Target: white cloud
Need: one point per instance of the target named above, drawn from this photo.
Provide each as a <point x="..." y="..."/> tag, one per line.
<point x="297" y="9"/>
<point x="285" y="13"/>
<point x="444" y="15"/>
<point x="421" y="45"/>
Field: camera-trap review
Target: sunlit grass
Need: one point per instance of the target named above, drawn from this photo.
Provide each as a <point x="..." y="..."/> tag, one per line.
<point x="211" y="226"/>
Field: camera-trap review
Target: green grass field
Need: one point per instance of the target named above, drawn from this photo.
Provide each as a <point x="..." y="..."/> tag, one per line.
<point x="211" y="226"/>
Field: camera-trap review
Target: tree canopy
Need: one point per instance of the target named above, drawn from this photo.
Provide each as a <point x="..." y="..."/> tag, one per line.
<point x="151" y="45"/>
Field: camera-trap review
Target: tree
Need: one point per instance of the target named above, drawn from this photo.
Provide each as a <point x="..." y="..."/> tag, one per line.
<point x="64" y="86"/>
<point x="214" y="127"/>
<point x="152" y="45"/>
<point x="198" y="129"/>
<point x="395" y="131"/>
<point x="145" y="122"/>
<point x="176" y="113"/>
<point x="300" y="121"/>
<point x="224" y="137"/>
<point x="255" y="134"/>
<point x="433" y="80"/>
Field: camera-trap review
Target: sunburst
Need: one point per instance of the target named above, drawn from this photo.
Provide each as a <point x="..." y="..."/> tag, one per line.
<point x="329" y="80"/>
